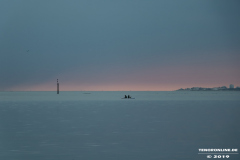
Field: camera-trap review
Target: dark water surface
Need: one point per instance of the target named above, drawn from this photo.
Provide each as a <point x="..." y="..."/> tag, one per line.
<point x="102" y="126"/>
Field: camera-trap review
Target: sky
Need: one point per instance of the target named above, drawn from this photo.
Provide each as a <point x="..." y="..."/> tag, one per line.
<point x="112" y="45"/>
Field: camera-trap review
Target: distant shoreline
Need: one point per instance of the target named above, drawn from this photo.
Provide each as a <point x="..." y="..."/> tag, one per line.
<point x="208" y="89"/>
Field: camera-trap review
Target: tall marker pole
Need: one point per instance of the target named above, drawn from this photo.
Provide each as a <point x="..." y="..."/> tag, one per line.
<point x="57" y="87"/>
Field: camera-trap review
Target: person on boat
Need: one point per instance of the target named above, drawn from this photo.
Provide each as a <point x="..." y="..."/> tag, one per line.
<point x="129" y="96"/>
<point x="125" y="96"/>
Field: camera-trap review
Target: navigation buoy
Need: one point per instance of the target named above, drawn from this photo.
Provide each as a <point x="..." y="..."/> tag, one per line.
<point x="57" y="87"/>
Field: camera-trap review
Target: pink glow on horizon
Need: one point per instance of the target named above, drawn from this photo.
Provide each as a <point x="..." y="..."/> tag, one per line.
<point x="154" y="79"/>
<point x="77" y="87"/>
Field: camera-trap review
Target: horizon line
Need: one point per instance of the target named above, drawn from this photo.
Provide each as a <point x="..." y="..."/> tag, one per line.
<point x="97" y="91"/>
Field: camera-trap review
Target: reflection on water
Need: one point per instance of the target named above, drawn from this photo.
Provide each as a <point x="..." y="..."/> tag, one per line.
<point x="108" y="95"/>
<point x="100" y="125"/>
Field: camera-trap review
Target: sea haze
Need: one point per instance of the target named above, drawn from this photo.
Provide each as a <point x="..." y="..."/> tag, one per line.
<point x="102" y="126"/>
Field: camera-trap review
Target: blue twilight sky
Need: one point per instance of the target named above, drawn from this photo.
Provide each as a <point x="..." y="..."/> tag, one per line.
<point x="119" y="45"/>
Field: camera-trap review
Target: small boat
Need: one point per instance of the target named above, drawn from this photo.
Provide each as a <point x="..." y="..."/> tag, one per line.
<point x="127" y="97"/>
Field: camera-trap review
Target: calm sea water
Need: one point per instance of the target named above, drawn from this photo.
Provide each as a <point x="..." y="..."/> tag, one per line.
<point x="102" y="126"/>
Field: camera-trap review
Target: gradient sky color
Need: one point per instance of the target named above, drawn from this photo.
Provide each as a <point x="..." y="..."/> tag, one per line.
<point x="118" y="45"/>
